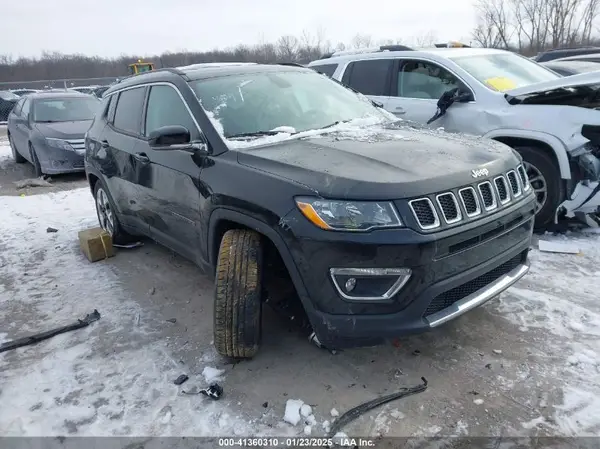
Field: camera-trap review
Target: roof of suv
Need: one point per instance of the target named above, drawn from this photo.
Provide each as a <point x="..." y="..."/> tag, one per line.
<point x="202" y="71"/>
<point x="440" y="52"/>
<point x="57" y="93"/>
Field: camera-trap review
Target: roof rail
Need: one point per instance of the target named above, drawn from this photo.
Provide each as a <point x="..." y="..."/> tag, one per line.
<point x="452" y="44"/>
<point x="293" y="64"/>
<point x="381" y="48"/>
<point x="174" y="70"/>
<point x="583" y="47"/>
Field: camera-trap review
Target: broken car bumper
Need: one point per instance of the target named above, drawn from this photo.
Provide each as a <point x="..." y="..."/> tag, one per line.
<point x="57" y="161"/>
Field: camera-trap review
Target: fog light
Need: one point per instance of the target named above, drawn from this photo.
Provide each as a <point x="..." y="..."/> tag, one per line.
<point x="369" y="284"/>
<point x="350" y="284"/>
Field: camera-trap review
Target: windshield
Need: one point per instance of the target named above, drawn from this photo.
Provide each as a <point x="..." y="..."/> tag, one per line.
<point x="504" y="71"/>
<point x="65" y="109"/>
<point x="287" y="101"/>
<point x="574" y="67"/>
<point x="8" y="96"/>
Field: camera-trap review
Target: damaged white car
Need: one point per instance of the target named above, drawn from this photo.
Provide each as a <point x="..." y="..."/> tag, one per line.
<point x="552" y="121"/>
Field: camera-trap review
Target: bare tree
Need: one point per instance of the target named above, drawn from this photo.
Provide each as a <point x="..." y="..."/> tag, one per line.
<point x="493" y="29"/>
<point x="427" y="39"/>
<point x="361" y="41"/>
<point x="534" y="25"/>
<point x="287" y="48"/>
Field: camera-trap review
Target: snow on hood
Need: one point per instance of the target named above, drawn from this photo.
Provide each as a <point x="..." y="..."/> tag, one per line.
<point x="365" y="129"/>
<point x="583" y="79"/>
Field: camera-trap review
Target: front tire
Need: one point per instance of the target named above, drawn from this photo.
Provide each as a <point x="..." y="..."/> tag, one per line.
<point x="107" y="215"/>
<point x="238" y="299"/>
<point x="15" y="154"/>
<point x="545" y="180"/>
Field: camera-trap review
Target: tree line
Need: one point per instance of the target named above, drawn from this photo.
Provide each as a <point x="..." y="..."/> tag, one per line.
<point x="302" y="49"/>
<point x="531" y="26"/>
<point x="525" y="26"/>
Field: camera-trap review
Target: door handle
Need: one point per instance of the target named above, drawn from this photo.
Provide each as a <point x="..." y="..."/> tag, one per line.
<point x="399" y="110"/>
<point x="104" y="144"/>
<point x="142" y="157"/>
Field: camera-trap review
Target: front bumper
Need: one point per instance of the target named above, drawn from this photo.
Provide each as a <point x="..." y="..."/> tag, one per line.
<point x="57" y="161"/>
<point x="452" y="272"/>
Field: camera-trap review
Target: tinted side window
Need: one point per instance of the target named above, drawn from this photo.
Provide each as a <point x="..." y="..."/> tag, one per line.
<point x="26" y="108"/>
<point x="370" y="77"/>
<point x="110" y="113"/>
<point x="326" y="69"/>
<point x="420" y="79"/>
<point x="129" y="110"/>
<point x="19" y="106"/>
<point x="165" y="107"/>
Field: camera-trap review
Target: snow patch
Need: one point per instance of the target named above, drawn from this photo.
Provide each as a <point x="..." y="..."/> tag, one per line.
<point x="397" y="414"/>
<point x="478" y="401"/>
<point x="334" y="412"/>
<point x="5" y="154"/>
<point x="292" y="411"/>
<point x="559" y="298"/>
<point x="212" y="374"/>
<point x="108" y="379"/>
<point x="533" y="423"/>
<point x="305" y="410"/>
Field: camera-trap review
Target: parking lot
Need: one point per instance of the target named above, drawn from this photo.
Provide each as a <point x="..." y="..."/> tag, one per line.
<point x="526" y="364"/>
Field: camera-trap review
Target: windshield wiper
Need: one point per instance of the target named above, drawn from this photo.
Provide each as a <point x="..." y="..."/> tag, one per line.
<point x="331" y="125"/>
<point x="46" y="121"/>
<point x="254" y="134"/>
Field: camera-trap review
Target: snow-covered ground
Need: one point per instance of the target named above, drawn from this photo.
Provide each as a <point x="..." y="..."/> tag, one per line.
<point x="526" y="364"/>
<point x="113" y="377"/>
<point x="560" y="296"/>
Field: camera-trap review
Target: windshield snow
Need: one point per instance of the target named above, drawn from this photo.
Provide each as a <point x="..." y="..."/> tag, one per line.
<point x="504" y="71"/>
<point x="256" y="104"/>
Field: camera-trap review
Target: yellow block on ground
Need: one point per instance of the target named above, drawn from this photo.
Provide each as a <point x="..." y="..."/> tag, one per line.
<point x="96" y="244"/>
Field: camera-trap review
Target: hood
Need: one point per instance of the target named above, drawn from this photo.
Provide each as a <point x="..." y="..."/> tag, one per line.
<point x="390" y="164"/>
<point x="583" y="79"/>
<point x="64" y="130"/>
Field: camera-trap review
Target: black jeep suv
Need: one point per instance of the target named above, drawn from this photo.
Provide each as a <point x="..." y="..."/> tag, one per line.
<point x="270" y="176"/>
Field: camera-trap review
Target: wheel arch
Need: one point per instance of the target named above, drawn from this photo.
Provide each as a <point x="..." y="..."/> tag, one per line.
<point x="221" y="220"/>
<point x="547" y="142"/>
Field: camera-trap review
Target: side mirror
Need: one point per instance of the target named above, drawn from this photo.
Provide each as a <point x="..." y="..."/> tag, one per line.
<point x="175" y="137"/>
<point x="166" y="136"/>
<point x="464" y="96"/>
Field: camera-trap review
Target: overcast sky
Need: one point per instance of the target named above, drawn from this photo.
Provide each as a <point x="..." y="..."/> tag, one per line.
<point x="114" y="27"/>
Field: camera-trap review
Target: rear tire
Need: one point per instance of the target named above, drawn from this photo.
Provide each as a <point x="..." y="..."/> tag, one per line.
<point x="37" y="168"/>
<point x="238" y="299"/>
<point x="107" y="215"/>
<point x="15" y="154"/>
<point x="544" y="177"/>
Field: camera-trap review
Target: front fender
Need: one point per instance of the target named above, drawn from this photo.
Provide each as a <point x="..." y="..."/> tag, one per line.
<point x="559" y="149"/>
<point x="262" y="228"/>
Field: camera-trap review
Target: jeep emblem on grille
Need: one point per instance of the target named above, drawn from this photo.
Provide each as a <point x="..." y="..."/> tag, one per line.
<point x="479" y="173"/>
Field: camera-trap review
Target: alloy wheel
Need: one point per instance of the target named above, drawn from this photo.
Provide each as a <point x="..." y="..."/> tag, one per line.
<point x="106" y="215"/>
<point x="538" y="184"/>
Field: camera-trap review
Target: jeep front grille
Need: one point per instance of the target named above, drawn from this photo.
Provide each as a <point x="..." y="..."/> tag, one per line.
<point x="468" y="202"/>
<point x="514" y="183"/>
<point x="502" y="189"/>
<point x="487" y="195"/>
<point x="449" y="207"/>
<point x="425" y="213"/>
<point x="524" y="178"/>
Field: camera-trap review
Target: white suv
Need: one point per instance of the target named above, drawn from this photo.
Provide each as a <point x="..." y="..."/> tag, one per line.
<point x="550" y="120"/>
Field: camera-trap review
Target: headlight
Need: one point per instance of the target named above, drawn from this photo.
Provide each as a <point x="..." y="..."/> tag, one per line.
<point x="349" y="215"/>
<point x="59" y="143"/>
